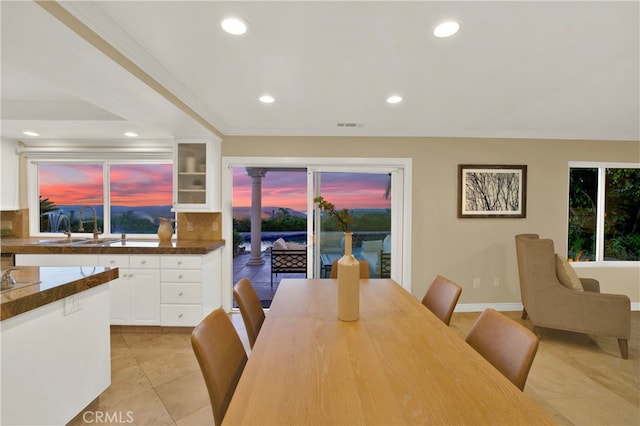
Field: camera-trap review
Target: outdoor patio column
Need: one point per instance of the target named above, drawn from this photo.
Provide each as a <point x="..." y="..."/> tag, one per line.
<point x="256" y="210"/>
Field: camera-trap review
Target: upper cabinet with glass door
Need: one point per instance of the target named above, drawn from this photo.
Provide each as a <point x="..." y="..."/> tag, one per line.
<point x="9" y="197"/>
<point x="196" y="170"/>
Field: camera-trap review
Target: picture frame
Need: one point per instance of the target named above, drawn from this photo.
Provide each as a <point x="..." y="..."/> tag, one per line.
<point x="492" y="191"/>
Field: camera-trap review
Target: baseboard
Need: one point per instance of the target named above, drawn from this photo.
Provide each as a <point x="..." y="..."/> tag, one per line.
<point x="479" y="307"/>
<point x="507" y="307"/>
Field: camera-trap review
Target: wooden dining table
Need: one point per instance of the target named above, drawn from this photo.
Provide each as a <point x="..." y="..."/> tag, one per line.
<point x="397" y="364"/>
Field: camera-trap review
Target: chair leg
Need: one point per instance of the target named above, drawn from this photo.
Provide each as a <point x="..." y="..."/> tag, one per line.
<point x="525" y="315"/>
<point x="624" y="349"/>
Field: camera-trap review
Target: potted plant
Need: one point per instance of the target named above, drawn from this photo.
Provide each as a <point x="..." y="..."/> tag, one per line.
<point x="237" y="241"/>
<point x="343" y="216"/>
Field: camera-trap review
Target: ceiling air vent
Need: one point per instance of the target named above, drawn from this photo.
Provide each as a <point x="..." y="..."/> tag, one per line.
<point x="350" y="125"/>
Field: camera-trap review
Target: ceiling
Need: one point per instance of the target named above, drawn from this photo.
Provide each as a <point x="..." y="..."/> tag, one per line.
<point x="553" y="70"/>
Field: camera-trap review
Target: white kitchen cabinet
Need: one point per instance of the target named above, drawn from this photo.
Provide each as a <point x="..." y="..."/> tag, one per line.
<point x="9" y="175"/>
<point x="135" y="296"/>
<point x="168" y="290"/>
<point x="181" y="290"/>
<point x="119" y="288"/>
<point x="144" y="288"/>
<point x="196" y="171"/>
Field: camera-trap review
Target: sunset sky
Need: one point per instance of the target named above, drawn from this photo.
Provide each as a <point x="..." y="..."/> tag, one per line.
<point x="143" y="185"/>
<point x="131" y="184"/>
<point x="289" y="189"/>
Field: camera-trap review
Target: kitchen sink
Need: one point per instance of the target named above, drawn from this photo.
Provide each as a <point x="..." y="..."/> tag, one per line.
<point x="59" y="241"/>
<point x="77" y="241"/>
<point x="20" y="284"/>
<point x="98" y="242"/>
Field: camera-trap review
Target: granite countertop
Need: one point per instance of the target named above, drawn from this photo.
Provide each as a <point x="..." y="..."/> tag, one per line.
<point x="61" y="245"/>
<point x="38" y="286"/>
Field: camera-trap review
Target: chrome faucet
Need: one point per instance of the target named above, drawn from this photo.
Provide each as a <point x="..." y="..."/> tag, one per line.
<point x="7" y="280"/>
<point x="96" y="232"/>
<point x="68" y="231"/>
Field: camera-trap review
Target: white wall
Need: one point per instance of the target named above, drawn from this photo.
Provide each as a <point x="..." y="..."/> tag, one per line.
<point x="464" y="249"/>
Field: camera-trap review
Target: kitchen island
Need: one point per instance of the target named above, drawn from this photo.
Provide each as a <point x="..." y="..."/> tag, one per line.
<point x="55" y="342"/>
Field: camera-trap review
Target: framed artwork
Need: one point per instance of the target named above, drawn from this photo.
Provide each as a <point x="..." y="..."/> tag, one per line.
<point x="492" y="191"/>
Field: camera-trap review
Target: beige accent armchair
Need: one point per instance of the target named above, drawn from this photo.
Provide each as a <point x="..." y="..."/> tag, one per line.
<point x="549" y="304"/>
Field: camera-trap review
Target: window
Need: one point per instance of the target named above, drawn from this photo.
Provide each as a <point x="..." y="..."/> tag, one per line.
<point x="604" y="212"/>
<point x="134" y="196"/>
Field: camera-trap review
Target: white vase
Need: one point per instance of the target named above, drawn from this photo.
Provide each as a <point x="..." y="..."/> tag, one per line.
<point x="348" y="283"/>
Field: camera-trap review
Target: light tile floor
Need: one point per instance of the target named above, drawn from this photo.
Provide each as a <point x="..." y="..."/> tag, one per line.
<point x="155" y="380"/>
<point x="577" y="379"/>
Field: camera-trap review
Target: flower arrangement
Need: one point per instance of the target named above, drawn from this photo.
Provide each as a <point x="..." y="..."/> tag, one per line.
<point x="342" y="216"/>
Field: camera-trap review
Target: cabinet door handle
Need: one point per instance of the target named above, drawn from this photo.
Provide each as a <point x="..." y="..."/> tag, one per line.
<point x="179" y="277"/>
<point x="180" y="316"/>
<point x="112" y="262"/>
<point x="143" y="262"/>
<point x="179" y="262"/>
<point x="180" y="294"/>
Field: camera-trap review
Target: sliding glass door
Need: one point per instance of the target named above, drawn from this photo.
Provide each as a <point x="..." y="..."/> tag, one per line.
<point x="367" y="195"/>
<point x="376" y="190"/>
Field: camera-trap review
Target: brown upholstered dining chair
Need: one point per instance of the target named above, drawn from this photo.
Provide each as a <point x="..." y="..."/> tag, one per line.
<point x="364" y="269"/>
<point x="441" y="298"/>
<point x="222" y="358"/>
<point x="250" y="308"/>
<point x="508" y="346"/>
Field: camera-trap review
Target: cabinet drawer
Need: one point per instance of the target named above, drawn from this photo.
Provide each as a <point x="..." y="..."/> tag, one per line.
<point x="181" y="315"/>
<point x="144" y="262"/>
<point x="179" y="276"/>
<point x="113" y="260"/>
<point x="181" y="293"/>
<point x="181" y="262"/>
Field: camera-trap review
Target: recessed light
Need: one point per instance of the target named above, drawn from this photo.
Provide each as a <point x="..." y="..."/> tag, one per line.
<point x="30" y="133"/>
<point x="446" y="29"/>
<point x="131" y="134"/>
<point x="235" y="26"/>
<point x="394" y="99"/>
<point x="266" y="99"/>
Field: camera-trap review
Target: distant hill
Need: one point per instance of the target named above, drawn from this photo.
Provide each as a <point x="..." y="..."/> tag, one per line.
<point x="266" y="212"/>
<point x="148" y="212"/>
<point x="269" y="211"/>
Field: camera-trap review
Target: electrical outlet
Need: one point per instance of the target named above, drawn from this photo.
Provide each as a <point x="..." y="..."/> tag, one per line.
<point x="476" y="283"/>
<point x="71" y="305"/>
<point x="214" y="227"/>
<point x="496" y="282"/>
<point x="190" y="226"/>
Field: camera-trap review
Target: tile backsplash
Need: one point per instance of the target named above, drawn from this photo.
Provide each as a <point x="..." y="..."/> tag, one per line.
<point x="190" y="226"/>
<point x="14" y="223"/>
<point x="199" y="226"/>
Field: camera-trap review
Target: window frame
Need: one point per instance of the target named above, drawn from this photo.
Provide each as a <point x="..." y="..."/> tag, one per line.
<point x="106" y="157"/>
<point x="601" y="194"/>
